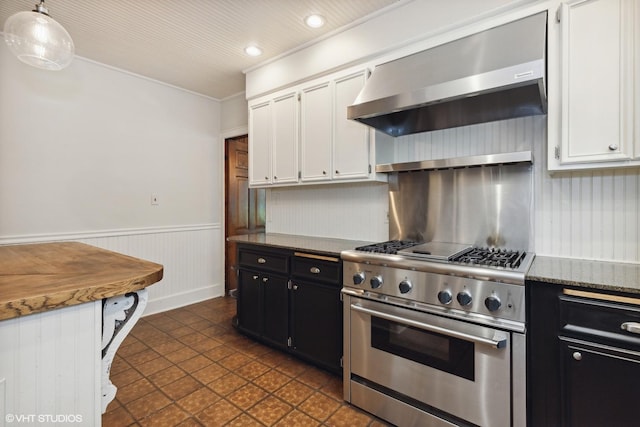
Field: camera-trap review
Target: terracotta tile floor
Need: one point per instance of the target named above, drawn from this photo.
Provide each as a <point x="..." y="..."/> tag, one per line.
<point x="189" y="367"/>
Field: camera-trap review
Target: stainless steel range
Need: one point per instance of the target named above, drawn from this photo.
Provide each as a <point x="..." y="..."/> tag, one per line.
<point x="434" y="332"/>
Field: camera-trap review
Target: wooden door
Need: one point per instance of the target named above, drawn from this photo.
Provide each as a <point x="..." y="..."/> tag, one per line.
<point x="244" y="207"/>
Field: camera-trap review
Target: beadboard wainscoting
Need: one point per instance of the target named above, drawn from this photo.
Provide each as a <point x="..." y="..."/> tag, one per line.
<point x="49" y="368"/>
<point x="192" y="256"/>
<point x="590" y="215"/>
<point x="356" y="211"/>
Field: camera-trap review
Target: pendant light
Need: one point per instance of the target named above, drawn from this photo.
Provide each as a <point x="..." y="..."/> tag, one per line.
<point x="36" y="39"/>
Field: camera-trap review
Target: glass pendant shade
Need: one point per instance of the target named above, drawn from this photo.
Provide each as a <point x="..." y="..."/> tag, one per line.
<point x="38" y="40"/>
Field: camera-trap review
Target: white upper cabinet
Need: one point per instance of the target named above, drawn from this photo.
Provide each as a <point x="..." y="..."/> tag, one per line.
<point x="302" y="135"/>
<point x="273" y="140"/>
<point x="260" y="137"/>
<point x="316" y="130"/>
<point x="285" y="139"/>
<point x="351" y="140"/>
<point x="333" y="147"/>
<point x="593" y="51"/>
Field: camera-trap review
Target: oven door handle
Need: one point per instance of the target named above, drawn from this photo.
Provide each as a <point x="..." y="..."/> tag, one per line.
<point x="502" y="343"/>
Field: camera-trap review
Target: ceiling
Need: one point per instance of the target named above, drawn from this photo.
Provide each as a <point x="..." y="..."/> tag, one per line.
<point x="197" y="45"/>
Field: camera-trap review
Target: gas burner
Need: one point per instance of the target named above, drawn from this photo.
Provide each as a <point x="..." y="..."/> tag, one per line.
<point x="388" y="247"/>
<point x="492" y="257"/>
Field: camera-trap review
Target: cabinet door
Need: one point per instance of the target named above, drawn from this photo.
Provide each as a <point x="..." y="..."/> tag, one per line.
<point x="600" y="386"/>
<point x="597" y="80"/>
<point x="260" y="135"/>
<point x="351" y="141"/>
<point x="250" y="302"/>
<point x="315" y="123"/>
<point x="285" y="139"/>
<point x="316" y="323"/>
<point x="276" y="309"/>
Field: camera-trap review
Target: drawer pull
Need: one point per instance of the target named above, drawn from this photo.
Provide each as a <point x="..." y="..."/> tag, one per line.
<point x="577" y="355"/>
<point x="633" y="327"/>
<point x="261" y="260"/>
<point x="314" y="270"/>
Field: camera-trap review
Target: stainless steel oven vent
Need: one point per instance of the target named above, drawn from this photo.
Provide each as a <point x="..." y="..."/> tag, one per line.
<point x="493" y="75"/>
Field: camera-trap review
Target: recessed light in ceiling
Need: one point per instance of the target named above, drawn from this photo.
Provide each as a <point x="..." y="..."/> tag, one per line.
<point x="253" y="50"/>
<point x="314" y="21"/>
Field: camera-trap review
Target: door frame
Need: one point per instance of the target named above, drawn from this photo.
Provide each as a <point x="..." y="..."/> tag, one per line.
<point x="224" y="136"/>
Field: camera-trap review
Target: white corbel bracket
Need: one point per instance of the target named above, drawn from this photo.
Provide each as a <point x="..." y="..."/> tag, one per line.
<point x="119" y="315"/>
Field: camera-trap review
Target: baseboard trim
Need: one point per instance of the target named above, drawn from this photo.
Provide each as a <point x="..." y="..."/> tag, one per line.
<point x="158" y="305"/>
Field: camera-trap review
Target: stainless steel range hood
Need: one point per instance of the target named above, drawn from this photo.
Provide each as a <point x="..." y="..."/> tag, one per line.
<point x="493" y="75"/>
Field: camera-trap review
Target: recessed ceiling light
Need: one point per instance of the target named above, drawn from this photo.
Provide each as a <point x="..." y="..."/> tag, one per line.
<point x="253" y="50"/>
<point x="314" y="21"/>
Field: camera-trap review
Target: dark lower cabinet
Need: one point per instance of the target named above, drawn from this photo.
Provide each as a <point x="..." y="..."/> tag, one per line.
<point x="316" y="324"/>
<point x="292" y="301"/>
<point x="601" y="386"/>
<point x="583" y="366"/>
<point x="263" y="306"/>
<point x="250" y="302"/>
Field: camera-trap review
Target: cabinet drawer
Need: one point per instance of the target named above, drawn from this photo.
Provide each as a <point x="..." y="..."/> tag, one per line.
<point x="591" y="316"/>
<point x="263" y="260"/>
<point x="317" y="267"/>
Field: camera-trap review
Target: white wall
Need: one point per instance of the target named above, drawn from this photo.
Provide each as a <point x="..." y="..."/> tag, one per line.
<point x="234" y="114"/>
<point x="83" y="149"/>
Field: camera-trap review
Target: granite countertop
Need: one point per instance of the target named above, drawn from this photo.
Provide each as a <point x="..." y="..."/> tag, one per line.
<point x="45" y="276"/>
<point x="299" y="243"/>
<point x="600" y="275"/>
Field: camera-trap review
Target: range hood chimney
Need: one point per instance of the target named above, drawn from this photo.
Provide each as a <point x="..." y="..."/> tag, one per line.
<point x="493" y="75"/>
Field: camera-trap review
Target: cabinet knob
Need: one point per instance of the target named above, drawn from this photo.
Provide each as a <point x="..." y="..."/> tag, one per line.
<point x="324" y="172"/>
<point x="337" y="172"/>
<point x="266" y="178"/>
<point x="255" y="277"/>
<point x="265" y="279"/>
<point x="275" y="177"/>
<point x="314" y="270"/>
<point x="613" y="147"/>
<point x="295" y="287"/>
<point x="577" y="355"/>
<point x="261" y="260"/>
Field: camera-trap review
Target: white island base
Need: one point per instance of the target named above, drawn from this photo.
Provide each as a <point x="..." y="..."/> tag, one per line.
<point x="52" y="371"/>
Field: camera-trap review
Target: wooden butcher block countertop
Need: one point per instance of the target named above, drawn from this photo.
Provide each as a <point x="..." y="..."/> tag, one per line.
<point x="46" y="276"/>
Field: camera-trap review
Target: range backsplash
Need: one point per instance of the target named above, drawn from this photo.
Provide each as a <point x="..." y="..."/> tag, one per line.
<point x="484" y="206"/>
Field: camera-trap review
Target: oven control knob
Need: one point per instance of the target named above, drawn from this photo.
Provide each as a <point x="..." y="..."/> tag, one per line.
<point x="358" y="278"/>
<point x="405" y="286"/>
<point x="464" y="298"/>
<point x="492" y="303"/>
<point x="376" y="282"/>
<point x="445" y="297"/>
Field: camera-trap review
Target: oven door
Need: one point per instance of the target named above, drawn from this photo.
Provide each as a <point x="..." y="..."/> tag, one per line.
<point x="458" y="371"/>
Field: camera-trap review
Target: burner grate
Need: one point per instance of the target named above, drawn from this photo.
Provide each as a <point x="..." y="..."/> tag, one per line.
<point x="493" y="257"/>
<point x="388" y="247"/>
